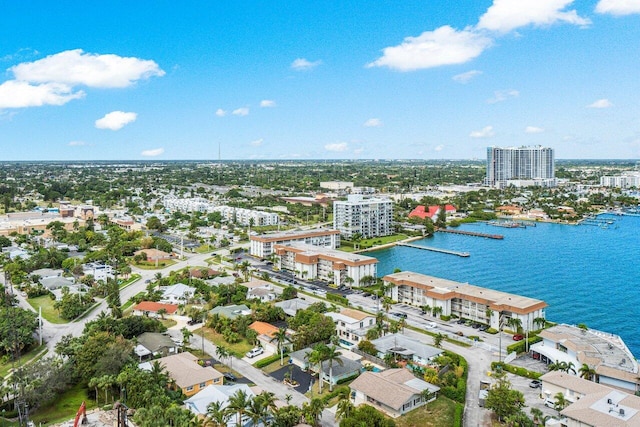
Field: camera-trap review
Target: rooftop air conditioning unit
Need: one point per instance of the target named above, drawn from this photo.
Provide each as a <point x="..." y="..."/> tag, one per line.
<point x="621" y="412"/>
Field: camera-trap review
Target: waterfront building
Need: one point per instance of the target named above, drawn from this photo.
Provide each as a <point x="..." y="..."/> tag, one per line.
<point x="607" y="354"/>
<point x="451" y="298"/>
<point x="369" y="217"/>
<point x="432" y="212"/>
<point x="262" y="245"/>
<point x="589" y="403"/>
<point x="520" y="166"/>
<point x="405" y="348"/>
<point x="351" y="325"/>
<point x="330" y="265"/>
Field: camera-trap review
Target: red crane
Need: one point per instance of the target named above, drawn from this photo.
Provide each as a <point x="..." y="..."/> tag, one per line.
<point x="81" y="415"/>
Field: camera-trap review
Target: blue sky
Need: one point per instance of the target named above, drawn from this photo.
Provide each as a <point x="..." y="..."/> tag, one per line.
<point x="437" y="79"/>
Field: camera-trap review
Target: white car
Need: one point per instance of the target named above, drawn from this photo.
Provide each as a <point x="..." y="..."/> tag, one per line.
<point x="254" y="352"/>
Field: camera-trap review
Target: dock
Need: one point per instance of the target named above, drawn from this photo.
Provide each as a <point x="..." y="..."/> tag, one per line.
<point x="432" y="249"/>
<point x="471" y="233"/>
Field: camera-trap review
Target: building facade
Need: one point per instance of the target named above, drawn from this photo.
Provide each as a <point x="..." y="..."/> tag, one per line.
<point x="370" y="217"/>
<point x="533" y="165"/>
<point x="313" y="262"/>
<point x="465" y="301"/>
<point x="351" y="325"/>
<point x="263" y="244"/>
<point x="245" y="217"/>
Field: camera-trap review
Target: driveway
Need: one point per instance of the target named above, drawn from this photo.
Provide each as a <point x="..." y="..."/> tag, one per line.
<point x="303" y="378"/>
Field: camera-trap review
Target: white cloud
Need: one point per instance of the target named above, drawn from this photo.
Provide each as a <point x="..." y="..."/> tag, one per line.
<point x="507" y="15"/>
<point x="257" y="142"/>
<point x="438" y="147"/>
<point x="502" y="95"/>
<point x="18" y="94"/>
<point x="485" y="132"/>
<point x="77" y="143"/>
<point x="372" y="123"/>
<point x="618" y="7"/>
<point x="358" y="150"/>
<point x="152" y="153"/>
<point x="116" y="120"/>
<point x="600" y="103"/>
<point x="75" y="67"/>
<point x="301" y="64"/>
<point x="533" y="129"/>
<point x="466" y="77"/>
<point x="337" y="147"/>
<point x="443" y="46"/>
<point x="240" y="111"/>
<point x="220" y="112"/>
<point x="267" y="103"/>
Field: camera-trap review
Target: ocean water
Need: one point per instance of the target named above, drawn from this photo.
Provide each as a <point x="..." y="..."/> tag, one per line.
<point x="585" y="273"/>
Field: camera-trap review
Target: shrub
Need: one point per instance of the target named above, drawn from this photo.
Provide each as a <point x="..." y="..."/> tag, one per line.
<point x="269" y="360"/>
<point x="491" y="331"/>
<point x="521" y="346"/>
<point x="517" y="370"/>
<point x="337" y="298"/>
<point x="457" y="415"/>
<point x="445" y="317"/>
<point x="346" y="380"/>
<point x="336" y="391"/>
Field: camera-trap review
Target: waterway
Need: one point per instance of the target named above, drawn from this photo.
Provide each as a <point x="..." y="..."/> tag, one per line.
<point x="586" y="273"/>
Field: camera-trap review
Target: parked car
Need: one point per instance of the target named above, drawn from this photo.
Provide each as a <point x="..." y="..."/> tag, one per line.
<point x="431" y="325"/>
<point x="256" y="351"/>
<point x="535" y="384"/>
<point x="518" y="337"/>
<point x="460" y="334"/>
<point x="229" y="377"/>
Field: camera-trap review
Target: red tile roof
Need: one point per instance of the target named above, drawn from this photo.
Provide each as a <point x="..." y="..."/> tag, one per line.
<point x="153" y="307"/>
<point x="421" y="212"/>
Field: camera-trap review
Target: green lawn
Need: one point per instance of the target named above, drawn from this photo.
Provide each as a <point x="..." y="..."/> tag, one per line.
<point x="25" y="358"/>
<point x="48" y="312"/>
<point x="438" y="413"/>
<point x="239" y="349"/>
<point x="151" y="265"/>
<point x="65" y="406"/>
<point x="347" y="246"/>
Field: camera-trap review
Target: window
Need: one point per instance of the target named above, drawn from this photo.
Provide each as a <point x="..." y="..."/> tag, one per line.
<point x="190" y="388"/>
<point x="203" y="385"/>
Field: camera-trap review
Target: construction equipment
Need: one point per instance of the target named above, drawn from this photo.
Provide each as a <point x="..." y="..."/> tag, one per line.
<point x="81" y="415"/>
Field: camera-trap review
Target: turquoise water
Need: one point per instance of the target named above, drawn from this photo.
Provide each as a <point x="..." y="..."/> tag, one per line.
<point x="587" y="274"/>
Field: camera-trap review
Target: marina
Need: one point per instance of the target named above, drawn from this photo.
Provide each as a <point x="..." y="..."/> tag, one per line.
<point x="471" y="233"/>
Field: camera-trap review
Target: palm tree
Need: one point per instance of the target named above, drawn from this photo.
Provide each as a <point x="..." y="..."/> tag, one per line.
<point x="436" y="311"/>
<point x="238" y="404"/>
<point x="222" y="352"/>
<point x="427" y="309"/>
<point x="158" y="374"/>
<point x="280" y="337"/>
<point x="488" y="313"/>
<point x="560" y="402"/>
<point x="344" y="410"/>
<point x="313" y="410"/>
<point x="437" y="340"/>
<point x="515" y="323"/>
<point x="587" y="372"/>
<point x="186" y="336"/>
<point x="332" y="355"/>
<point x="256" y="411"/>
<point x="541" y="322"/>
<point x="217" y="415"/>
<point x="570" y="368"/>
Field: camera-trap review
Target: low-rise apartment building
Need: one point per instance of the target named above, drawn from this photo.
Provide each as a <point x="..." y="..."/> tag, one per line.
<point x="607" y="354"/>
<point x="351" y="325"/>
<point x="482" y="305"/>
<point x="262" y="245"/>
<point x="330" y="265"/>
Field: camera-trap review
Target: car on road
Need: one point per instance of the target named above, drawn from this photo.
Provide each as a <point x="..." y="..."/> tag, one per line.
<point x="460" y="334"/>
<point x="229" y="377"/>
<point x="192" y="322"/>
<point x="431" y="325"/>
<point x="518" y="337"/>
<point x="535" y="384"/>
<point x="256" y="351"/>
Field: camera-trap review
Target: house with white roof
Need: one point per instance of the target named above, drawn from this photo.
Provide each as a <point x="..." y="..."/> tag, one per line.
<point x="98" y="270"/>
<point x="406" y="348"/>
<point x="176" y="294"/>
<point x="199" y="402"/>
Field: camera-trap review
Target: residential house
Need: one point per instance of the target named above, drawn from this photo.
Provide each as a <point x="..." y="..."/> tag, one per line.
<point x="154" y="254"/>
<point x="403" y="347"/>
<point x="345" y="368"/>
<point x="199" y="402"/>
<point x="53" y="283"/>
<point x="46" y="273"/>
<point x="151" y="308"/>
<point x="432" y="212"/>
<point x="266" y="332"/>
<point x="152" y="344"/>
<point x="188" y="375"/>
<point x="394" y="391"/>
<point x="98" y="270"/>
<point x="291" y="306"/>
<point x="176" y="294"/>
<point x="351" y="325"/>
<point x="231" y="311"/>
<point x="260" y="289"/>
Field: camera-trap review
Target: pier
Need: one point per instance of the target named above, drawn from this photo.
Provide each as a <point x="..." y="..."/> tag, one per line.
<point x="429" y="248"/>
<point x="471" y="233"/>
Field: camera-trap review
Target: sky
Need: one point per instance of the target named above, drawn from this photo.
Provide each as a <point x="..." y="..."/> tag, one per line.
<point x="430" y="79"/>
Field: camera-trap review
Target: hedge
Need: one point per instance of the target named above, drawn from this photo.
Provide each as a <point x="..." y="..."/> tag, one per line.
<point x="520" y="346"/>
<point x="457" y="415"/>
<point x="269" y="360"/>
<point x="347" y="379"/>
<point x="336" y="391"/>
<point x="337" y="298"/>
<point x="517" y="370"/>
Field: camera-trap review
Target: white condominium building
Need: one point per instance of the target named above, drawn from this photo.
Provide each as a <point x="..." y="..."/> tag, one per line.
<point x="244" y="216"/>
<point x="482" y="305"/>
<point x="263" y="244"/>
<point x="313" y="262"/>
<point x="626" y="180"/>
<point x="520" y="163"/>
<point x="371" y="217"/>
<point x="192" y="204"/>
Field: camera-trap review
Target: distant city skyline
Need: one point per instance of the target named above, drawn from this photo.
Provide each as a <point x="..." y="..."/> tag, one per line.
<point x="289" y="80"/>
